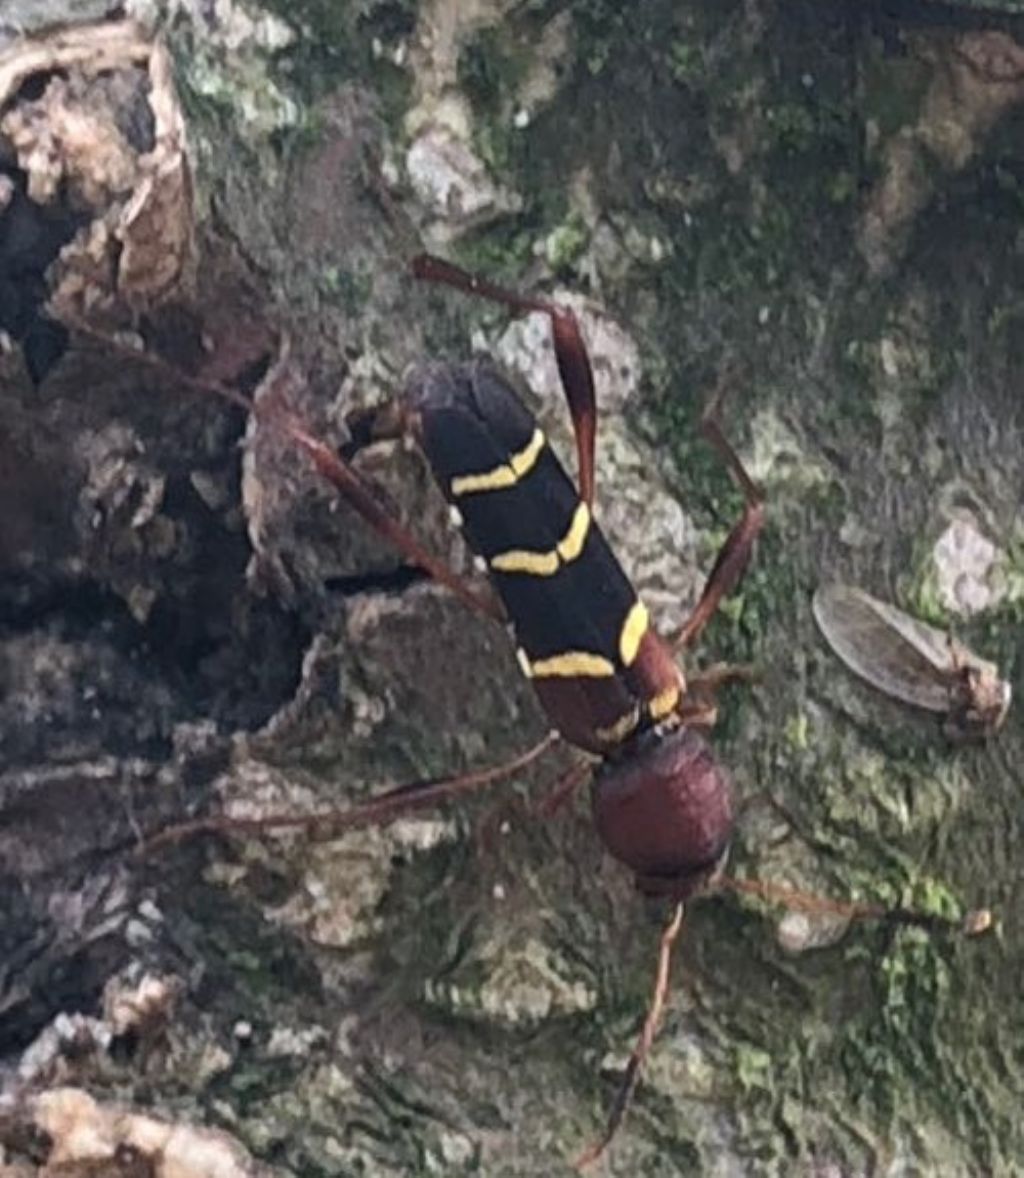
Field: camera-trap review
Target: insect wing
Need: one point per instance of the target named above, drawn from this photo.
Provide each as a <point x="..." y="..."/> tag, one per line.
<point x="897" y="654"/>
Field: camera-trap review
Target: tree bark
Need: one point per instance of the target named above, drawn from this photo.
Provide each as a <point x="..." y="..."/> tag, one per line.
<point x="823" y="196"/>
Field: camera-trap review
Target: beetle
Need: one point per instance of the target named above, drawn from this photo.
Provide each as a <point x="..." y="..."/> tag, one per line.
<point x="609" y="684"/>
<point x="606" y="680"/>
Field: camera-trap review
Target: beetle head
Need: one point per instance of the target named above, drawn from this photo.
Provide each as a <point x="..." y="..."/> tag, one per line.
<point x="664" y="809"/>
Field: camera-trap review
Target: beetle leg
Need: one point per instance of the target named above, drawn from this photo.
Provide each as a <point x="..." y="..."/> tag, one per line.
<point x="574" y="367"/>
<point x="711" y="679"/>
<point x="378" y="811"/>
<point x="731" y="562"/>
<point x="271" y="404"/>
<point x="697" y="713"/>
<point x="560" y="791"/>
<point x="563" y="789"/>
<point x="698" y="708"/>
<point x="360" y="496"/>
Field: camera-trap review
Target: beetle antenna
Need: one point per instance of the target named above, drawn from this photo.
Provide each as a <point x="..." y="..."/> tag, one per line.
<point x="977" y="921"/>
<point x="630" y="1077"/>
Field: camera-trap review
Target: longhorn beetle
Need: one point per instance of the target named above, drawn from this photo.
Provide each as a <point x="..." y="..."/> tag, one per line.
<point x="608" y="683"/>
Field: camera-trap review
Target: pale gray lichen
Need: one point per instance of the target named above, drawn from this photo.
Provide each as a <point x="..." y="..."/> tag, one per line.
<point x="513" y="982"/>
<point x="453" y="185"/>
<point x="231" y="58"/>
<point x="967" y="567"/>
<point x="777" y="459"/>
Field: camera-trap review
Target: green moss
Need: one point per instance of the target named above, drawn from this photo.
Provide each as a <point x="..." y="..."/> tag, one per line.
<point x="685" y="62"/>
<point x="753" y="1067"/>
<point x="566" y="243"/>
<point x="796" y="732"/>
<point x="793" y="126"/>
<point x="894" y="88"/>
<point x="491" y="67"/>
<point x="601" y="25"/>
<point x="262" y="969"/>
<point x="336" y="42"/>
<point x="502" y="251"/>
<point x="920" y="591"/>
<point x="837" y="1057"/>
<point x="349" y="288"/>
<point x="841" y="187"/>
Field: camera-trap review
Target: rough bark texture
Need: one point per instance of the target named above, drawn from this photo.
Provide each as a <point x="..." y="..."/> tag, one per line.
<point x="827" y="196"/>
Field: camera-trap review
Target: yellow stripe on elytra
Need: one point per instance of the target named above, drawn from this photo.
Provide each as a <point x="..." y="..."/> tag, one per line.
<point x="506" y="475"/>
<point x="623" y="726"/>
<point x="633" y="630"/>
<point x="546" y="564"/>
<point x="663" y="703"/>
<point x="570" y="664"/>
<point x="571" y="544"/>
<point x="523" y="462"/>
<point x="517" y="560"/>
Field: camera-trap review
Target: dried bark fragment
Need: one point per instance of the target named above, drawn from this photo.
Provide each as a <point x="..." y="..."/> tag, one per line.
<point x="93" y="123"/>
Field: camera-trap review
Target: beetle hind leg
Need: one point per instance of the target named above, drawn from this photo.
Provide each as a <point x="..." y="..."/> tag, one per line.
<point x="271" y="405"/>
<point x="734" y="555"/>
<point x="574" y="368"/>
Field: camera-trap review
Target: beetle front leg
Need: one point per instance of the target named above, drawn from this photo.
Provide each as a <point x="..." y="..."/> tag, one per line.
<point x="699" y="708"/>
<point x="574" y="367"/>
